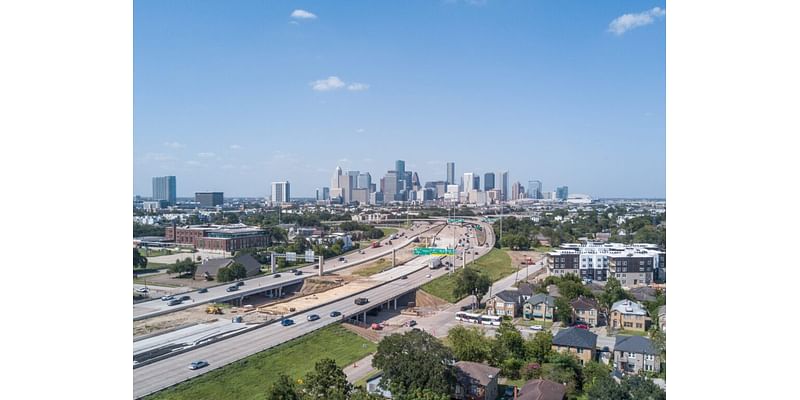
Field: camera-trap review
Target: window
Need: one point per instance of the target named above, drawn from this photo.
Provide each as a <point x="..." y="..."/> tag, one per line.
<point x="641" y="262"/>
<point x="638" y="325"/>
<point x="631" y="355"/>
<point x="649" y="357"/>
<point x="580" y="351"/>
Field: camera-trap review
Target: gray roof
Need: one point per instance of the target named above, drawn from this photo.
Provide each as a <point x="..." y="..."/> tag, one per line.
<point x="542" y="389"/>
<point x="629" y="307"/>
<point x="212" y="266"/>
<point x="584" y="303"/>
<point x="525" y="289"/>
<point x="540" y="298"/>
<point x="468" y="371"/>
<point x="634" y="344"/>
<point x="575" y="337"/>
<point x="508" y="296"/>
<point x="643" y="293"/>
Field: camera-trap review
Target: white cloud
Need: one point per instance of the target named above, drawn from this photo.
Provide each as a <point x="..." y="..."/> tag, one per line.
<point x="158" y="157"/>
<point x="303" y="14"/>
<point x="206" y="155"/>
<point x="193" y="163"/>
<point x="360" y="130"/>
<point x="294" y="23"/>
<point x="324" y="85"/>
<point x="627" y="22"/>
<point x="235" y="147"/>
<point x="357" y="87"/>
<point x="174" y="145"/>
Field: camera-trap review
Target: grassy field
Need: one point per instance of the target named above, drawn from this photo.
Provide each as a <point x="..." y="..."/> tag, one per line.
<point x="378" y="267"/>
<point x="251" y="377"/>
<point x="496" y="264"/>
<point x="625" y="332"/>
<point x="388" y="231"/>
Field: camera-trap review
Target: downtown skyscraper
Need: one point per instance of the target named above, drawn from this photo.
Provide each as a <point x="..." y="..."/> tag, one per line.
<point x="164" y="189"/>
<point x="451" y="173"/>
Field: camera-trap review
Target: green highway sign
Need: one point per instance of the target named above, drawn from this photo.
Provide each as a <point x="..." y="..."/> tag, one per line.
<point x="433" y="251"/>
<point x="455" y="221"/>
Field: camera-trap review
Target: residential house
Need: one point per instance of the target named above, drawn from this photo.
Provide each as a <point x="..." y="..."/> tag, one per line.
<point x="373" y="386"/>
<point x="504" y="303"/>
<point x="635" y="353"/>
<point x="662" y="318"/>
<point x="542" y="389"/>
<point x="580" y="342"/>
<point x="475" y="381"/>
<point x="211" y="267"/>
<point x="629" y="315"/>
<point x="525" y="291"/>
<point x="539" y="307"/>
<point x="585" y="311"/>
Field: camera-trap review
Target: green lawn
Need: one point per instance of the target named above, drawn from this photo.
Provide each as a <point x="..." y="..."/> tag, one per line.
<point x="388" y="231"/>
<point x="496" y="264"/>
<point x="626" y="332"/>
<point x="378" y="267"/>
<point x="251" y="377"/>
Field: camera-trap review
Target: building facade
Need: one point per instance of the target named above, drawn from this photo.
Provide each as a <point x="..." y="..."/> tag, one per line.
<point x="280" y="192"/>
<point x="164" y="188"/>
<point x="631" y="264"/>
<point x="635" y="353"/>
<point x="219" y="238"/>
<point x="209" y="199"/>
<point x="628" y="315"/>
<point x="451" y="173"/>
<point x="488" y="181"/>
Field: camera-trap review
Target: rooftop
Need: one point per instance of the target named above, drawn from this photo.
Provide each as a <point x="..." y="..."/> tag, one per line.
<point x="628" y="307"/>
<point x="634" y="344"/>
<point x="575" y="337"/>
<point x="480" y="372"/>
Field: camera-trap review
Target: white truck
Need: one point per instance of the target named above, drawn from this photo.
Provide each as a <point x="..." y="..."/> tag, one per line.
<point x="435" y="263"/>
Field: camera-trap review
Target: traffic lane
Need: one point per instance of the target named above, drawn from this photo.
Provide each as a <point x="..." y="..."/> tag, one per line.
<point x="170" y="371"/>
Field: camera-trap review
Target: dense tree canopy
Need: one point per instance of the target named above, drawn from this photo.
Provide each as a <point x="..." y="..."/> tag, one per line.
<point x="327" y="381"/>
<point x="469" y="344"/>
<point x="139" y="261"/>
<point x="413" y="361"/>
<point x="471" y="281"/>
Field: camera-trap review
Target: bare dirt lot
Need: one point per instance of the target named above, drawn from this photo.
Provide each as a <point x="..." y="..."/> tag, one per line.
<point x="325" y="289"/>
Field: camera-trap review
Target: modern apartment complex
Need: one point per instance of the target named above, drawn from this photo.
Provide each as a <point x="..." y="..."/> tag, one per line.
<point x="209" y="199"/>
<point x="164" y="189"/>
<point x="632" y="265"/>
<point x="280" y="192"/>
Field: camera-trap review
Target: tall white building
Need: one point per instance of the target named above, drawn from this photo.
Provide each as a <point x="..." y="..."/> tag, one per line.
<point x="501" y="182"/>
<point x="335" y="178"/>
<point x="280" y="192"/>
<point x="469" y="180"/>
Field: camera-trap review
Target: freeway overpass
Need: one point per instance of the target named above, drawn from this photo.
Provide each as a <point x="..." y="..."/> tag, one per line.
<point x="170" y="371"/>
<point x="268" y="284"/>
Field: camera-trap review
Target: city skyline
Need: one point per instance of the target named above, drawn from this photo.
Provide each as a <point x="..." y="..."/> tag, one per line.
<point x="566" y="94"/>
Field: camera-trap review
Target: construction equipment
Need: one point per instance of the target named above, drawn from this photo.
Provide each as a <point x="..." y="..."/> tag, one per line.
<point x="213" y="309"/>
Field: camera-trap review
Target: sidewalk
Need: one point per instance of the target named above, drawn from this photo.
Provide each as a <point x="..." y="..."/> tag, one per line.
<point x="359" y="369"/>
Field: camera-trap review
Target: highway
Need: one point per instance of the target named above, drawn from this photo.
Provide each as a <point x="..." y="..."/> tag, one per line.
<point x="165" y="373"/>
<point x="151" y="308"/>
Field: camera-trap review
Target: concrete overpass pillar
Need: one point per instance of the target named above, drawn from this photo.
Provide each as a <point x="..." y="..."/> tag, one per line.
<point x="395" y="303"/>
<point x="364" y="317"/>
<point x="393" y="257"/>
<point x="321" y="265"/>
<point x="272" y="262"/>
<point x="280" y="291"/>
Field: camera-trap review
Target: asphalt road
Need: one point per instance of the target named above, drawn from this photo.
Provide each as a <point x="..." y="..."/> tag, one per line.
<point x="162" y="374"/>
<point x="259" y="284"/>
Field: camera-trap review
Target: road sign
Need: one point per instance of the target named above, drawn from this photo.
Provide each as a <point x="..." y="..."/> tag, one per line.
<point x="433" y="251"/>
<point x="309" y="255"/>
<point x="455" y="221"/>
<point x="292" y="257"/>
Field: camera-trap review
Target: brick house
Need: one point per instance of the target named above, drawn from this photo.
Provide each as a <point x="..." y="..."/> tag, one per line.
<point x="628" y="314"/>
<point x="585" y="311"/>
<point x="475" y="381"/>
<point x="504" y="303"/>
<point x="580" y="342"/>
<point x="635" y="353"/>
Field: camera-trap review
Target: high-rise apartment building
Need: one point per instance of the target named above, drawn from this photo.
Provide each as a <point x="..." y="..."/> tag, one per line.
<point x="451" y="173"/>
<point x="502" y="184"/>
<point x="280" y="192"/>
<point x="209" y="199"/>
<point x="488" y="181"/>
<point x="534" y="189"/>
<point x="164" y="189"/>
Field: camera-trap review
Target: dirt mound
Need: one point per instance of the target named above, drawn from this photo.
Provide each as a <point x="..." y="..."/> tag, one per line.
<point x="369" y="334"/>
<point x="425" y="300"/>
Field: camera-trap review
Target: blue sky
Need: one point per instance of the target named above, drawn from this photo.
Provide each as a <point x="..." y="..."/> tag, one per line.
<point x="230" y="96"/>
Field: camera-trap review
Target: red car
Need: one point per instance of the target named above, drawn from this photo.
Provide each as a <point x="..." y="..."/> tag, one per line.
<point x="581" y="326"/>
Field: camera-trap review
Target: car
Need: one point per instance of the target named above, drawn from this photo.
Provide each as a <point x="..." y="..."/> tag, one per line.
<point x="276" y="276"/>
<point x="232" y="288"/>
<point x="312" y="317"/>
<point x="203" y="290"/>
<point x="341" y="258"/>
<point x="198" y="364"/>
<point x="412" y="323"/>
<point x="428" y="276"/>
<point x="287" y="322"/>
<point x="361" y="300"/>
<point x="447" y="268"/>
<point x="335" y="314"/>
<point x="476" y="253"/>
<point x="581" y="326"/>
<point x="240" y="283"/>
<point x="142" y="290"/>
<point x="174" y="302"/>
<point x="300" y="272"/>
<point x="404" y="277"/>
<point x="182" y="298"/>
<point x="167" y="298"/>
<point x="294" y="271"/>
<point x="535" y="327"/>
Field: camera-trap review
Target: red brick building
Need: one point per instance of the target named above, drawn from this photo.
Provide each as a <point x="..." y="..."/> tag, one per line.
<point x="220" y="238"/>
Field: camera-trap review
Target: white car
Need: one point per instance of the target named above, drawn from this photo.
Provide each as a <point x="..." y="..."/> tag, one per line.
<point x="428" y="276"/>
<point x="535" y="327"/>
<point x="142" y="290"/>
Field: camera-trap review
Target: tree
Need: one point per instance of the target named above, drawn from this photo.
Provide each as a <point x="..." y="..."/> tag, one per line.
<point x="510" y="339"/>
<point x="563" y="310"/>
<point x="539" y="347"/>
<point x="565" y="369"/>
<point x="593" y="372"/>
<point x="659" y="341"/>
<point x="238" y="271"/>
<point x="613" y="292"/>
<point x="183" y="267"/>
<point x="469" y="344"/>
<point x="641" y="388"/>
<point x="139" y="261"/>
<point x="360" y="393"/>
<point x="283" y="389"/>
<point x="470" y="281"/>
<point x="224" y="274"/>
<point x="327" y="381"/>
<point x="415" y="360"/>
<point x="606" y="388"/>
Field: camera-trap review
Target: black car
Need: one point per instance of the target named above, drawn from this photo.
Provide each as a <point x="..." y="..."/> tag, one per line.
<point x="361" y="301"/>
<point x="404" y="277"/>
<point x="298" y="273"/>
<point x="240" y="283"/>
<point x="335" y="314"/>
<point x="203" y="290"/>
<point x="182" y="298"/>
<point x="232" y="288"/>
<point x="174" y="302"/>
<point x="276" y="276"/>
